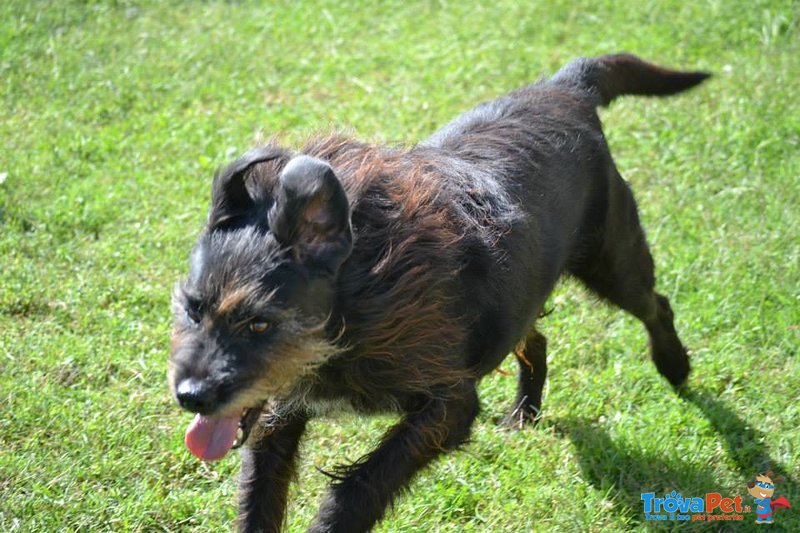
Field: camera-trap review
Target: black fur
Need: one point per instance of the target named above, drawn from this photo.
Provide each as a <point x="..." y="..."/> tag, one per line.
<point x="394" y="279"/>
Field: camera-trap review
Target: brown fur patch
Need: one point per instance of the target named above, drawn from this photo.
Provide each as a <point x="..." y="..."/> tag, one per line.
<point x="235" y="297"/>
<point x="519" y="351"/>
<point x="405" y="313"/>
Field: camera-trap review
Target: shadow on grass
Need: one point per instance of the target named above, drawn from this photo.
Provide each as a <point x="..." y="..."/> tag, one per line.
<point x="746" y="446"/>
<point x="626" y="472"/>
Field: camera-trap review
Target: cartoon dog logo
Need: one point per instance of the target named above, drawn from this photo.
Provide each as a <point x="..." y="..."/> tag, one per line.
<point x="762" y="490"/>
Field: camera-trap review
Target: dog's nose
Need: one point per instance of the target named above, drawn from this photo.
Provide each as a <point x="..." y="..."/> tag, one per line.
<point x="196" y="396"/>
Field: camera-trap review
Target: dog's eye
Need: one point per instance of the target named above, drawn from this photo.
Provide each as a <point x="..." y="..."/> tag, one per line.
<point x="193" y="315"/>
<point x="259" y="326"/>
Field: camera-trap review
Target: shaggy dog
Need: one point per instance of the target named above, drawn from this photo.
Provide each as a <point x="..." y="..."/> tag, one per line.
<point x="388" y="279"/>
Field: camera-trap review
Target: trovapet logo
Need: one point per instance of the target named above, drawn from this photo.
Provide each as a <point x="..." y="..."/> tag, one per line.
<point x="674" y="506"/>
<point x="713" y="506"/>
<point x="762" y="490"/>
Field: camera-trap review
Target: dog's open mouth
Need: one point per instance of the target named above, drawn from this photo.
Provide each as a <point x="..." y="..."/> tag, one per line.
<point x="211" y="437"/>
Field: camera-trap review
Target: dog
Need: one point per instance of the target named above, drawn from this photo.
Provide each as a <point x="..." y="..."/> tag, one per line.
<point x="392" y="279"/>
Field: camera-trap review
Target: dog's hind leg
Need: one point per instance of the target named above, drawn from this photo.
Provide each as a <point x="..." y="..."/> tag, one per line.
<point x="532" y="359"/>
<point x="360" y="496"/>
<point x="617" y="265"/>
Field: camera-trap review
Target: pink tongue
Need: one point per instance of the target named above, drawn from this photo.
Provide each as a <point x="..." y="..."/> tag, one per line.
<point x="211" y="437"/>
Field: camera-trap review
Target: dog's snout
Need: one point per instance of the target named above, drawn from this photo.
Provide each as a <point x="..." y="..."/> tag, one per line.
<point x="196" y="396"/>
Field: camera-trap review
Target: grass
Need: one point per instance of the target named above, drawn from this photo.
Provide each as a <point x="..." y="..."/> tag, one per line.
<point x="113" y="116"/>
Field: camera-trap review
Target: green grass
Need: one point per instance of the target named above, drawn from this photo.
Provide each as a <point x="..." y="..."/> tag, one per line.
<point x="113" y="116"/>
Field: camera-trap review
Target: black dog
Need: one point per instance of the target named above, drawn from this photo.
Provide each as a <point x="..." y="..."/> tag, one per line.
<point x="387" y="279"/>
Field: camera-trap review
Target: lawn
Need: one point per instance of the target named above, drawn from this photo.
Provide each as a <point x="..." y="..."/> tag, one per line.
<point x="114" y="116"/>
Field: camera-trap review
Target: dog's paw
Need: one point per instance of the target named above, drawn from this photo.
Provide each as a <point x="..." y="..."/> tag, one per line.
<point x="520" y="417"/>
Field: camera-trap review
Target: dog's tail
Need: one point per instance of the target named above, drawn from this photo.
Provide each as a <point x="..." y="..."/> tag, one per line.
<point x="607" y="77"/>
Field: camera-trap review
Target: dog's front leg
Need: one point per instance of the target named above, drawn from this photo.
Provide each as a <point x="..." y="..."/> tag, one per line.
<point x="267" y="469"/>
<point x="360" y="498"/>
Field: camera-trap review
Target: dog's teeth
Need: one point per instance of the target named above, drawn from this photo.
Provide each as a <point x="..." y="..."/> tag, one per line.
<point x="239" y="437"/>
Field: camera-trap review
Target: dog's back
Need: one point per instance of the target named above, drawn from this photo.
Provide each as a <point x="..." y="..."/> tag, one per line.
<point x="504" y="199"/>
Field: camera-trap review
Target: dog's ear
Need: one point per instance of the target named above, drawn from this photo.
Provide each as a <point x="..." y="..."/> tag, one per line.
<point x="230" y="200"/>
<point x="311" y="214"/>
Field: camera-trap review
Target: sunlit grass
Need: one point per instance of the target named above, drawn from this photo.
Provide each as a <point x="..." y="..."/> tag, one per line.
<point x="114" y="115"/>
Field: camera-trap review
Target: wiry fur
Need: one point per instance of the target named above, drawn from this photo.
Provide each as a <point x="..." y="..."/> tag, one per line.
<point x="394" y="279"/>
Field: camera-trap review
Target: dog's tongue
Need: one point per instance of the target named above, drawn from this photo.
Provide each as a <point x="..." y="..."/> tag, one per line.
<point x="211" y="437"/>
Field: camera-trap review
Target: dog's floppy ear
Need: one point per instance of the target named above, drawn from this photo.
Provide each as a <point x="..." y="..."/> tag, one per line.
<point x="311" y="214"/>
<point x="229" y="197"/>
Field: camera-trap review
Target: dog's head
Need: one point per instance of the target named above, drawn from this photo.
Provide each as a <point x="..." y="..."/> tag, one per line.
<point x="250" y="319"/>
<point x="764" y="485"/>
